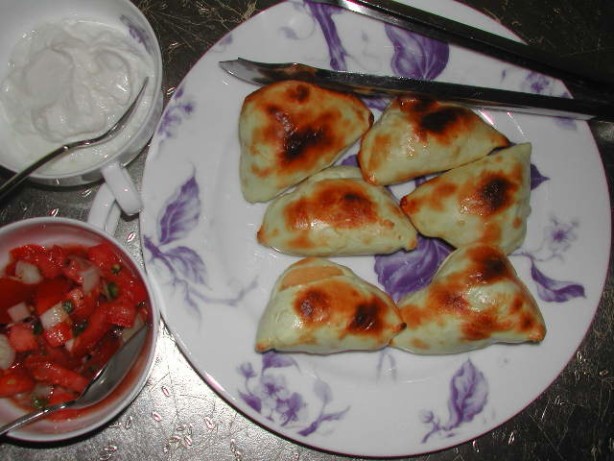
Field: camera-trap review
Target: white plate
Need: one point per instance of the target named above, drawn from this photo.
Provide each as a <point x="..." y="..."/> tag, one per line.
<point x="214" y="280"/>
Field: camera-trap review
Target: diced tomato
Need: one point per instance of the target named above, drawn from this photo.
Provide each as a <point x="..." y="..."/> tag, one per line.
<point x="22" y="338"/>
<point x="57" y="355"/>
<point x="121" y="312"/>
<point x="82" y="305"/>
<point x="58" y="334"/>
<point x="101" y="355"/>
<point x="52" y="373"/>
<point x="134" y="288"/>
<point x="105" y="257"/>
<point x="73" y="270"/>
<point x="97" y="327"/>
<point x="50" y="292"/>
<point x="12" y="292"/>
<point x="15" y="381"/>
<point x="49" y="261"/>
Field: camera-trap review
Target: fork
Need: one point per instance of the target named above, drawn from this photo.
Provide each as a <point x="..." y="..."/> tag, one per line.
<point x="12" y="183"/>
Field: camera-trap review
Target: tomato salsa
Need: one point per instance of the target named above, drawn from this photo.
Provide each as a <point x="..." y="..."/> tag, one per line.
<point x="64" y="310"/>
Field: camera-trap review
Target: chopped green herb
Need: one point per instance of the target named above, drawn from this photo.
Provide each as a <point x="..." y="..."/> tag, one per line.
<point x="116" y="268"/>
<point x="111" y="290"/>
<point x="39" y="402"/>
<point x="68" y="306"/>
<point x="37" y="328"/>
<point x="78" y="328"/>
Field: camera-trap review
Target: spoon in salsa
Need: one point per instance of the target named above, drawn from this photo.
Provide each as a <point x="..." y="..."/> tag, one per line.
<point x="103" y="383"/>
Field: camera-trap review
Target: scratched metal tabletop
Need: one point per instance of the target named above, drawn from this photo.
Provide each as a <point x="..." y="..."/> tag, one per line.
<point x="178" y="417"/>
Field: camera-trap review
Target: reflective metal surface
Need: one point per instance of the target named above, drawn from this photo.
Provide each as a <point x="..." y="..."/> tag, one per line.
<point x="178" y="417"/>
<point x="373" y="85"/>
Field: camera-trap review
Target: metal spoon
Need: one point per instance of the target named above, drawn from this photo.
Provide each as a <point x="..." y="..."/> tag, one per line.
<point x="103" y="383"/>
<point x="20" y="177"/>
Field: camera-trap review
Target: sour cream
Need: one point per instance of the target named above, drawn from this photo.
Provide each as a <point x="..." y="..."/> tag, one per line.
<point x="67" y="81"/>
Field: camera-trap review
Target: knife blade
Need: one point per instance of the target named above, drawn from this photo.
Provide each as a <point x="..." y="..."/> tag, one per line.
<point x="447" y="30"/>
<point x="378" y="85"/>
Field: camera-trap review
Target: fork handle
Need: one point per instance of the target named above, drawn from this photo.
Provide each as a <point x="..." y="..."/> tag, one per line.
<point x="33" y="416"/>
<point x="18" y="178"/>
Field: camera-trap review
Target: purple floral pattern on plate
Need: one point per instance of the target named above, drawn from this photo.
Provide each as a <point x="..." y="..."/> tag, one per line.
<point x="414" y="55"/>
<point x="178" y="109"/>
<point x="468" y="397"/>
<point x="323" y="14"/>
<point x="179" y="216"/>
<point x="534" y="82"/>
<point x="269" y="394"/>
<point x="404" y="272"/>
<point x="558" y="238"/>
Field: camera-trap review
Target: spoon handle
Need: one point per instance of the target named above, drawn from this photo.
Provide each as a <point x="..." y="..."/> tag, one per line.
<point x="33" y="416"/>
<point x="10" y="185"/>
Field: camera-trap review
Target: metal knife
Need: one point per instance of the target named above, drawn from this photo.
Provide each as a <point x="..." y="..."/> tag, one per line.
<point x="447" y="30"/>
<point x="376" y="85"/>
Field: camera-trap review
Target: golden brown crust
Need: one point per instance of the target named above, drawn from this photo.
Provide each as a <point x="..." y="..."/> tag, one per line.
<point x="290" y="130"/>
<point x="415" y="137"/>
<point x="484" y="201"/>
<point x="321" y="307"/>
<point x="475" y="299"/>
<point x="336" y="212"/>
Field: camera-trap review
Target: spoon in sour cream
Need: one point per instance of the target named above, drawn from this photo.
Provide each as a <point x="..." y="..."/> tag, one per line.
<point x="17" y="179"/>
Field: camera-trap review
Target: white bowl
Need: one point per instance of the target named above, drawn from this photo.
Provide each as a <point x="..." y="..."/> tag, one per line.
<point x="20" y="17"/>
<point x="63" y="231"/>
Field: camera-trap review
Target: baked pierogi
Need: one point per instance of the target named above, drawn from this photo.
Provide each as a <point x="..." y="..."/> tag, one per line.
<point x="484" y="201"/>
<point x="474" y="300"/>
<point x="414" y="137"/>
<point x="320" y="307"/>
<point x="335" y="212"/>
<point x="290" y="130"/>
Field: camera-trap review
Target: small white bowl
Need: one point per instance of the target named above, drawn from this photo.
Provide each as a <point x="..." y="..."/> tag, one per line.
<point x="64" y="231"/>
<point x="21" y="17"/>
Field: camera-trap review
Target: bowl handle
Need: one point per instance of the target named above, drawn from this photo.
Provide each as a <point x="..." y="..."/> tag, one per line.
<point x="124" y="190"/>
<point x="104" y="212"/>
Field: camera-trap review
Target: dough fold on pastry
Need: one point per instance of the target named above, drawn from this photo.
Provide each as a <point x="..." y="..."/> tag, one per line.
<point x="336" y="212"/>
<point x="484" y="201"/>
<point x="290" y="130"/>
<point x="414" y="137"/>
<point x="320" y="307"/>
<point x="474" y="300"/>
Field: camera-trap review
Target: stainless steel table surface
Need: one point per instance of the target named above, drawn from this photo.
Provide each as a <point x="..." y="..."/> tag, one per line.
<point x="178" y="417"/>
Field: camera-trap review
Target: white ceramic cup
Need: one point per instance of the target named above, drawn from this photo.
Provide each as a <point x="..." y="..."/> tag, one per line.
<point x="19" y="17"/>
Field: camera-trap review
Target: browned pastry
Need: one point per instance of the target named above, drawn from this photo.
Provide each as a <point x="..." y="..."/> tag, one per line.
<point x="321" y="307"/>
<point x="475" y="299"/>
<point x="484" y="201"/>
<point x="415" y="137"/>
<point x="290" y="130"/>
<point x="336" y="212"/>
